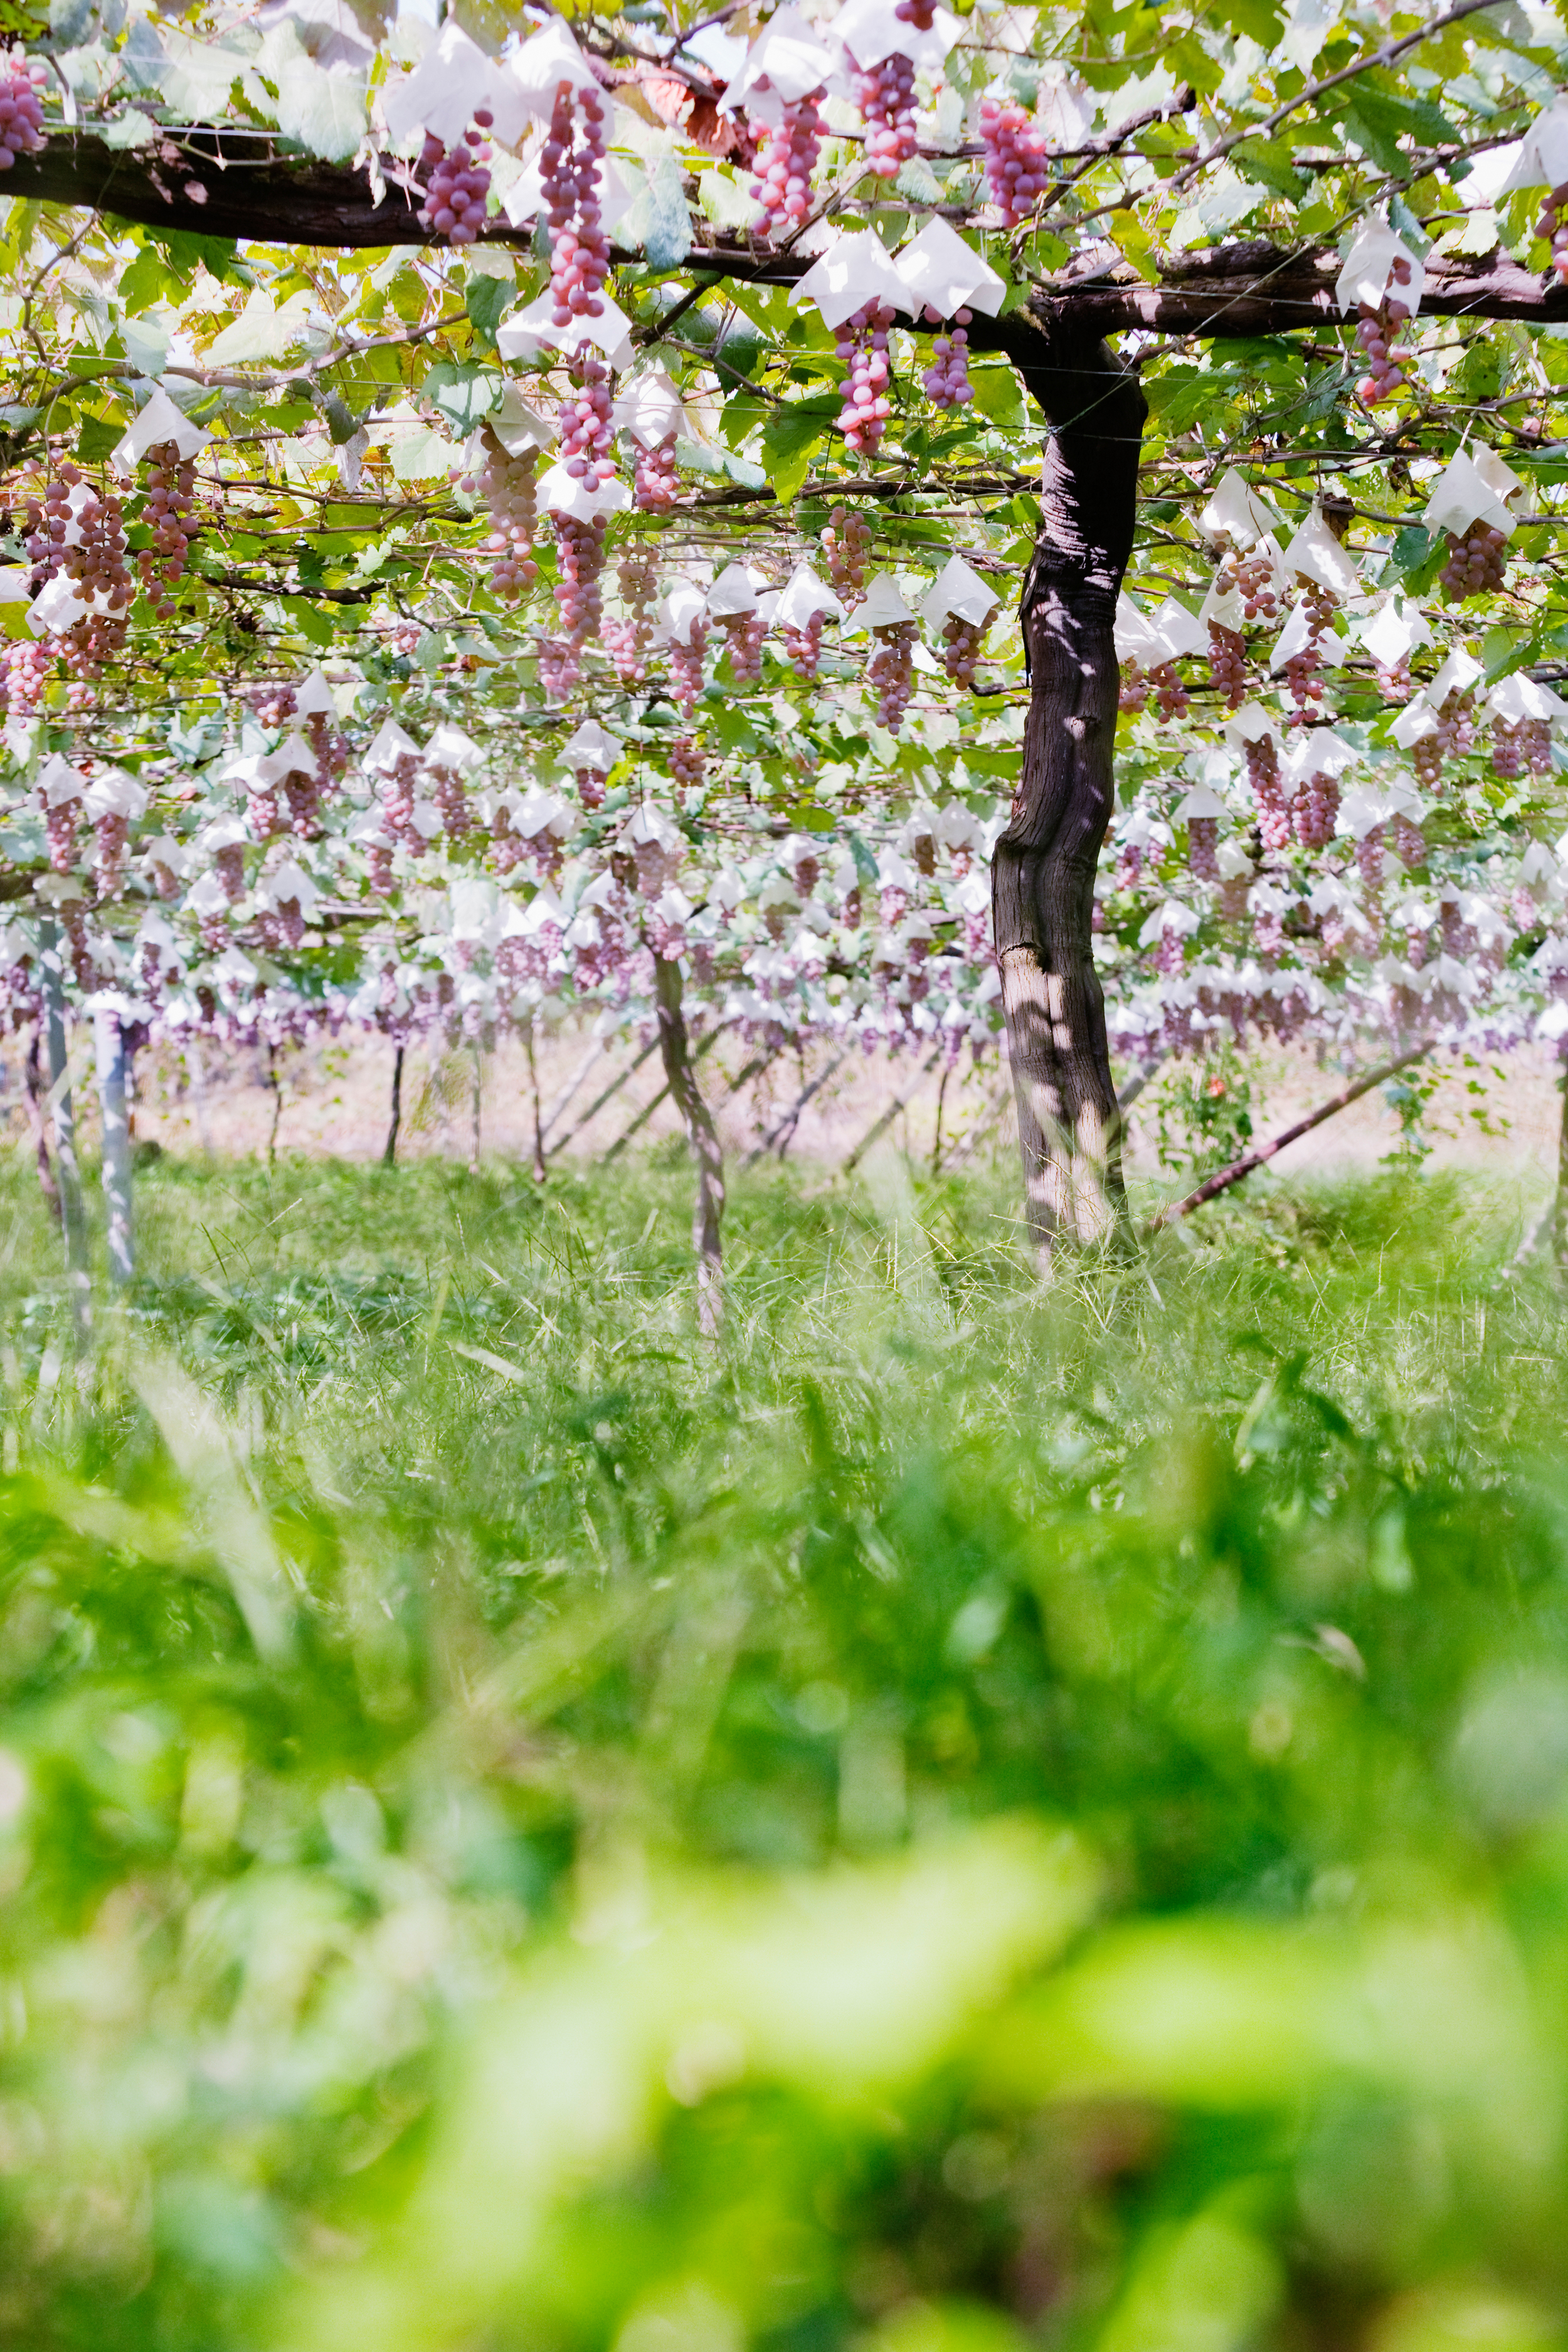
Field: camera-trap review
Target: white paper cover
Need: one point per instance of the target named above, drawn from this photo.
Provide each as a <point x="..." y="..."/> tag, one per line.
<point x="944" y="273"/>
<point x="534" y="331"/>
<point x="451" y="82"/>
<point x="958" y="588"/>
<point x="1242" y="513"/>
<point x="870" y="30"/>
<point x="803" y="594"/>
<point x="882" y="606"/>
<point x="1364" y="277"/>
<point x="854" y="272"/>
<point x="1316" y="553"/>
<point x="650" y="408"/>
<point x="160" y="420"/>
<point x="788" y="58"/>
<point x="733" y="593"/>
<point x="1462" y="495"/>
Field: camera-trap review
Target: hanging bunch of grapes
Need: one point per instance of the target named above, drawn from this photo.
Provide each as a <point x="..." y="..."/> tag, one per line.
<point x="862" y="345"/>
<point x="1132" y="693"/>
<point x="847" y="547"/>
<point x="785" y="161"/>
<point x="21" y="106"/>
<point x="1314" y="810"/>
<point x="1378" y="326"/>
<point x="946" y="381"/>
<point x="891" y="672"/>
<point x="1203" y="848"/>
<point x="686" y="659"/>
<point x="1268" y="791"/>
<point x="171" y="497"/>
<point x="961" y="644"/>
<point x="745" y="632"/>
<point x="456" y="183"/>
<point x="885" y="94"/>
<point x="1227" y="665"/>
<point x="569" y="166"/>
<point x="1553" y="227"/>
<point x="1477" y="564"/>
<point x="688" y="760"/>
<point x="803" y="645"/>
<point x="628" y="637"/>
<point x="1303" y="670"/>
<point x="1171" y="700"/>
<point x="1016" y="152"/>
<point x="508" y="485"/>
<point x="655" y="484"/>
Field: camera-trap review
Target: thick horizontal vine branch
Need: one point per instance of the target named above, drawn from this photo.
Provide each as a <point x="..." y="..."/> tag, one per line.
<point x="239" y="187"/>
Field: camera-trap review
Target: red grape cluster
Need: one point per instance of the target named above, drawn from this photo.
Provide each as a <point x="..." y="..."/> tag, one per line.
<point x="25" y="677"/>
<point x="686" y="667"/>
<point x="946" y="381"/>
<point x="273" y="702"/>
<point x="304" y="794"/>
<point x="688" y="760"/>
<point x="569" y="165"/>
<point x="508" y="485"/>
<point x="1409" y="843"/>
<point x="1203" y="848"/>
<point x="961" y="643"/>
<point x="46" y="521"/>
<point x="171" y="496"/>
<point x="456" y="183"/>
<point x="884" y="95"/>
<point x="1395" y="682"/>
<point x="1269" y="791"/>
<point x="1256" y="586"/>
<point x="1171" y="700"/>
<point x="1508" y="749"/>
<point x="891" y="671"/>
<point x="745" y="632"/>
<point x="580" y="560"/>
<point x="263" y="813"/>
<point x="21" y="108"/>
<point x="1132" y="694"/>
<point x="863" y="346"/>
<point x="1315" y="808"/>
<point x="1553" y="225"/>
<point x="847" y="547"/>
<point x="559" y="668"/>
<point x="1303" y="671"/>
<point x="1378" y="325"/>
<point x="397" y="789"/>
<point x="785" y="161"/>
<point x="920" y="13"/>
<point x="1227" y="665"/>
<point x="802" y="646"/>
<point x="1477" y="564"/>
<point x="1015" y="158"/>
<point x="1458" y="937"/>
<point x="1369" y="858"/>
<point x="627" y="640"/>
<point x="61" y="823"/>
<point x="584" y="421"/>
<point x="447" y="791"/>
<point x="655" y="482"/>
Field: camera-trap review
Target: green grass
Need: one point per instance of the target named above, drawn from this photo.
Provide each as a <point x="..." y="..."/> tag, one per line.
<point x="965" y="1815"/>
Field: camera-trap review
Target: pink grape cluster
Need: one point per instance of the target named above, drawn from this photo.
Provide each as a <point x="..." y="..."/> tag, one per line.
<point x="785" y="161"/>
<point x="1171" y="700"/>
<point x="745" y="632"/>
<point x="559" y="668"/>
<point x="1269" y="791"/>
<point x="508" y="485"/>
<point x="1314" y="810"/>
<point x="1375" y="331"/>
<point x="580" y="562"/>
<point x="263" y="813"/>
<point x="891" y="672"/>
<point x="569" y="171"/>
<point x="1203" y="848"/>
<point x="397" y="788"/>
<point x="1477" y="564"/>
<point x="1395" y="682"/>
<point x="1553" y="225"/>
<point x="1527" y="744"/>
<point x="24" y="677"/>
<point x="60" y="825"/>
<point x="273" y="702"/>
<point x="656" y="481"/>
<point x="1132" y="694"/>
<point x="584" y="423"/>
<point x="688" y="760"/>
<point x="884" y="95"/>
<point x="1369" y="858"/>
<point x="961" y="643"/>
<point x="456" y="183"/>
<point x="447" y="791"/>
<point x="1303" y="671"/>
<point x="1453" y="737"/>
<point x="627" y="640"/>
<point x="847" y="547"/>
<point x="803" y="646"/>
<point x="863" y="347"/>
<point x="21" y="108"/>
<point x="946" y="381"/>
<point x="1256" y="587"/>
<point x="1014" y="149"/>
<point x="171" y="495"/>
<point x="686" y="667"/>
<point x="1227" y="665"/>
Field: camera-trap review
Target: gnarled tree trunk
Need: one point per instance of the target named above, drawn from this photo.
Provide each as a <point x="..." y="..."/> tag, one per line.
<point x="708" y="1213"/>
<point x="1069" y="1129"/>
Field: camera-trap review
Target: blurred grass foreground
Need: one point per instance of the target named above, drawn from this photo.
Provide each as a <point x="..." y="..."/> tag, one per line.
<point x="967" y="1818"/>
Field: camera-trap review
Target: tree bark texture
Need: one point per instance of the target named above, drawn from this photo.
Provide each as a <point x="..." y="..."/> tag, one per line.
<point x="1042" y="879"/>
<point x="389" y="1155"/>
<point x="1559" y="1206"/>
<point x="108" y="1047"/>
<point x="708" y="1213"/>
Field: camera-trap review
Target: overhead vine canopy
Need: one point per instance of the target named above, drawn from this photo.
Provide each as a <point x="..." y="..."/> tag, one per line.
<point x="532" y="510"/>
